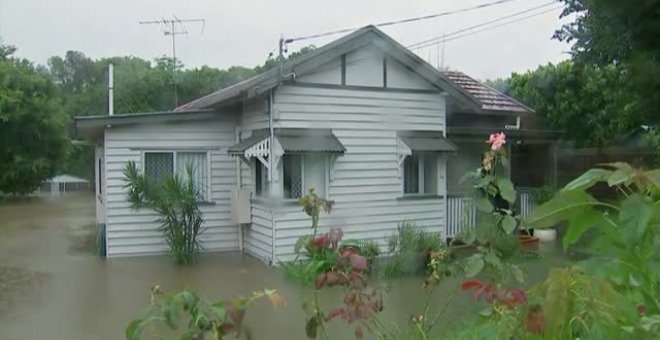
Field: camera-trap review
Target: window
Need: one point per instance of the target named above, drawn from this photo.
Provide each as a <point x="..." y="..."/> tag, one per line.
<point x="420" y="174"/>
<point x="260" y="178"/>
<point x="99" y="176"/>
<point x="293" y="181"/>
<point x="302" y="172"/>
<point x="159" y="165"/>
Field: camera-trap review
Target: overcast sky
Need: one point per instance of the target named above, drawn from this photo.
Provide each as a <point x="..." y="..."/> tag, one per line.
<point x="244" y="32"/>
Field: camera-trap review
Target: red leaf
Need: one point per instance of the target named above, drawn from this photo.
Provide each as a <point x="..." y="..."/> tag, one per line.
<point x="487" y="291"/>
<point x="467" y="285"/>
<point x="364" y="311"/>
<point x="358" y="263"/>
<point x="348" y="251"/>
<point x="641" y="309"/>
<point x="536" y="322"/>
<point x="518" y="295"/>
<point x="358" y="333"/>
<point x="329" y="279"/>
<point x="336" y="312"/>
<point x="350" y="297"/>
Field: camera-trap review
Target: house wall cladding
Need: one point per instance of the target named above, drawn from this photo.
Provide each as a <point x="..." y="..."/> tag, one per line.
<point x="258" y="236"/>
<point x="130" y="232"/>
<point x="365" y="181"/>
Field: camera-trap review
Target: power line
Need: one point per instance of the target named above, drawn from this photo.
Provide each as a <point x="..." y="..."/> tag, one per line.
<point x="401" y="21"/>
<point x="448" y="35"/>
<point x="455" y="37"/>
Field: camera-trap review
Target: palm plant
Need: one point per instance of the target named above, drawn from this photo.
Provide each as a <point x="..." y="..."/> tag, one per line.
<point x="176" y="200"/>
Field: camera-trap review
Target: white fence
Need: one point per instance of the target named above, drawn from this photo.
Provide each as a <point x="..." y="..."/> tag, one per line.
<point x="525" y="202"/>
<point x="462" y="213"/>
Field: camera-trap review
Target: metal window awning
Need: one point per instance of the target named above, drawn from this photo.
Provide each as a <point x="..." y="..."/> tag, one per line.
<point x="240" y="148"/>
<point x="286" y="141"/>
<point x="300" y="140"/>
<point x="290" y="140"/>
<point x="422" y="141"/>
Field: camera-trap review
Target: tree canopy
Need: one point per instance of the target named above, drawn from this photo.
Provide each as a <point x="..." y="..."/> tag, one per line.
<point x="33" y="125"/>
<point x="37" y="102"/>
<point x="620" y="33"/>
<point x="610" y="89"/>
<point x="592" y="105"/>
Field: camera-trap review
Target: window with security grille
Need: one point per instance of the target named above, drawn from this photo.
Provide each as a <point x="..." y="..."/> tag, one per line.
<point x="302" y="172"/>
<point x="159" y="165"/>
<point x="420" y="174"/>
<point x="292" y="171"/>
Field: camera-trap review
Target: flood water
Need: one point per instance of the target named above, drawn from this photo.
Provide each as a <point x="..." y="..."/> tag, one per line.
<point x="52" y="286"/>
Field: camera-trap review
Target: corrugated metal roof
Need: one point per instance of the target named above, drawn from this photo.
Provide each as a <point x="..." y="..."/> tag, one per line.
<point x="256" y="137"/>
<point x="311" y="143"/>
<point x="295" y="140"/>
<point x="490" y="99"/>
<point x="436" y="143"/>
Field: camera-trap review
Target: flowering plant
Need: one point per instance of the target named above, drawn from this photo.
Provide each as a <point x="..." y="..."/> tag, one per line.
<point x="493" y="196"/>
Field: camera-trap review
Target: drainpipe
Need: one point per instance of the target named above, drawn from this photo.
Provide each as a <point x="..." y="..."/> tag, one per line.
<point x="239" y="185"/>
<point x="271" y="170"/>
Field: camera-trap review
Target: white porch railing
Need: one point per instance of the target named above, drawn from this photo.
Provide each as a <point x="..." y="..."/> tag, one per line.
<point x="525" y="202"/>
<point x="461" y="213"/>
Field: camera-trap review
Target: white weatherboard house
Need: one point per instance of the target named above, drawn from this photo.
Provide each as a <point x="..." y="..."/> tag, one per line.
<point x="362" y="120"/>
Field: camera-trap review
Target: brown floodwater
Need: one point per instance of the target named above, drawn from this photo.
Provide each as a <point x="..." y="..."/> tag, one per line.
<point x="52" y="286"/>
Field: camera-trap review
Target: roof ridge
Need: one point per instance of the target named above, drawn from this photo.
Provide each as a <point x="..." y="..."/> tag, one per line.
<point x="270" y="78"/>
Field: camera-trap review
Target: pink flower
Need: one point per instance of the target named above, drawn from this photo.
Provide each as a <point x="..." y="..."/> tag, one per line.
<point x="496" y="141"/>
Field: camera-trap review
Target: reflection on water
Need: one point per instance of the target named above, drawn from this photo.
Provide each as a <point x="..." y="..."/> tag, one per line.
<point x="53" y="287"/>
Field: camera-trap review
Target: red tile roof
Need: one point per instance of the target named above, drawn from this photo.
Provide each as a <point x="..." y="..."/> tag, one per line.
<point x="490" y="99"/>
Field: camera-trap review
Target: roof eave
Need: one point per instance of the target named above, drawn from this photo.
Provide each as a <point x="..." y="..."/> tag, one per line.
<point x="89" y="127"/>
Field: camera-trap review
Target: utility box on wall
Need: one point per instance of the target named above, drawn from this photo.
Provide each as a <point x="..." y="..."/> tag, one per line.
<point x="240" y="207"/>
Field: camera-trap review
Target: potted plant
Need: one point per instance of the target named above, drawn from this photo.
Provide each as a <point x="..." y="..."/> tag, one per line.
<point x="540" y="196"/>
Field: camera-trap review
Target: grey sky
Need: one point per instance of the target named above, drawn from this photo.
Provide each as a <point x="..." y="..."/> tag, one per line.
<point x="244" y="32"/>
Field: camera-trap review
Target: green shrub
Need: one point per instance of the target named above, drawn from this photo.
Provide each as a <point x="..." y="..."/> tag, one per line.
<point x="304" y="271"/>
<point x="409" y="250"/>
<point x="176" y="201"/>
<point x="186" y="315"/>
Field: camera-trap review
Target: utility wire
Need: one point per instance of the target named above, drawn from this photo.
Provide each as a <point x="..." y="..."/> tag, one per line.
<point x="455" y="37"/>
<point x="450" y="34"/>
<point x="401" y="21"/>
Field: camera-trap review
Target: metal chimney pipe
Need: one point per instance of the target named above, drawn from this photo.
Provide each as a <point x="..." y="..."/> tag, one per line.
<point x="111" y="87"/>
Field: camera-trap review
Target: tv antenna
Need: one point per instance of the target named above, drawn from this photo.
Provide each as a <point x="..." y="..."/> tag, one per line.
<point x="173" y="27"/>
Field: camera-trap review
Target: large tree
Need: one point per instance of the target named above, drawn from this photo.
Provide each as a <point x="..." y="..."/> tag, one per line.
<point x="621" y="33"/>
<point x="592" y="105"/>
<point x="33" y="125"/>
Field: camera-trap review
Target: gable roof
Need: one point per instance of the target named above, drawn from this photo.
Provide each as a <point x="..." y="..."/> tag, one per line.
<point x="309" y="61"/>
<point x="490" y="99"/>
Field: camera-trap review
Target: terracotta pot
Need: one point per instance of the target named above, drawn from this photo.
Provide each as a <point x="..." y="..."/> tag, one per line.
<point x="528" y="242"/>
